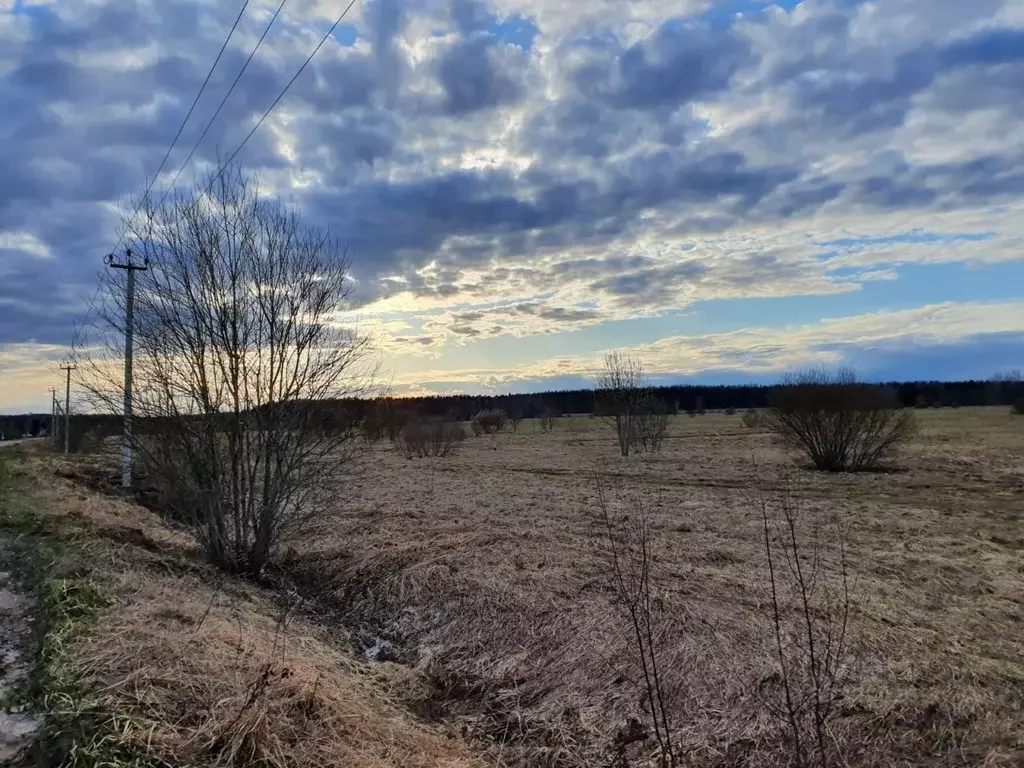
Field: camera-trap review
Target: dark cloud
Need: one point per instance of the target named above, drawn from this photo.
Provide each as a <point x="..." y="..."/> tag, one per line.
<point x="857" y="104"/>
<point x="475" y="75"/>
<point x="655" y="286"/>
<point x="612" y="142"/>
<point x="676" y="65"/>
<point x="424" y="341"/>
<point x="971" y="357"/>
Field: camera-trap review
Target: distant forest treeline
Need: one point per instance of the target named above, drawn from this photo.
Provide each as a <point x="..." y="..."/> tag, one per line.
<point x="685" y="398"/>
<point x="912" y="394"/>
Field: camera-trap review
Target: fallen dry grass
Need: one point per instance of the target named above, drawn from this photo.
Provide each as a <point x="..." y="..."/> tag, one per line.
<point x="190" y="668"/>
<point x="487" y="571"/>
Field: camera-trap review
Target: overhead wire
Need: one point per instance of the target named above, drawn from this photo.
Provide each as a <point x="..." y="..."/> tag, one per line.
<point x="280" y="96"/>
<point x="223" y="101"/>
<point x="188" y="115"/>
<point x="224" y="166"/>
<point x="76" y="337"/>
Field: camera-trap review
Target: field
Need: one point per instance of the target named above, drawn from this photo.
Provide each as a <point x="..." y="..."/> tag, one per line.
<point x="460" y="611"/>
<point x="488" y="572"/>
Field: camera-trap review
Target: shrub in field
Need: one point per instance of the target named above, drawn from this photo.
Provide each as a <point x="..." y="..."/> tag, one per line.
<point x="730" y="411"/>
<point x="1018" y="407"/>
<point x="650" y="425"/>
<point x="489" y="422"/>
<point x="622" y="395"/>
<point x="547" y="421"/>
<point x="638" y="599"/>
<point x="431" y="437"/>
<point x="838" y="423"/>
<point x="751" y="418"/>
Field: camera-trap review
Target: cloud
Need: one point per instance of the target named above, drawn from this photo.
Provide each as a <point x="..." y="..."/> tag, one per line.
<point x="596" y="162"/>
<point x="960" y="340"/>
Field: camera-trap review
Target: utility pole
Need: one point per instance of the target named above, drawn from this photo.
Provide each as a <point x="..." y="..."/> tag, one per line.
<point x="67" y="408"/>
<point x="129" y="316"/>
<point x="53" y="415"/>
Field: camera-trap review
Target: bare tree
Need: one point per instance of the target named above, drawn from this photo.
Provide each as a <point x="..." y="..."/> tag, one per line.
<point x="242" y="368"/>
<point x="809" y="612"/>
<point x="838" y="423"/>
<point x="546" y="422"/>
<point x="622" y="392"/>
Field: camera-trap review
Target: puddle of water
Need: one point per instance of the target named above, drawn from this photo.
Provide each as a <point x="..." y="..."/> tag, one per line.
<point x="379" y="650"/>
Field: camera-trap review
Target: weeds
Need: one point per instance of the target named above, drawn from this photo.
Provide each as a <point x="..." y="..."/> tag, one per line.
<point x="809" y="615"/>
<point x="630" y="562"/>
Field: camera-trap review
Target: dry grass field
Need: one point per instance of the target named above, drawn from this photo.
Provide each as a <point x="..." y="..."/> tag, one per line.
<point x="482" y="583"/>
<point x="488" y="572"/>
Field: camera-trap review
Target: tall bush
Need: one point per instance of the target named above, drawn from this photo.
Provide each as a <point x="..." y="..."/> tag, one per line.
<point x="839" y="423"/>
<point x="240" y="365"/>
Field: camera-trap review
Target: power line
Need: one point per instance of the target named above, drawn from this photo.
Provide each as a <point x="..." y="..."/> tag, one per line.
<point x="224" y="166"/>
<point x="181" y="127"/>
<point x="76" y="337"/>
<point x="223" y="101"/>
<point x="280" y="96"/>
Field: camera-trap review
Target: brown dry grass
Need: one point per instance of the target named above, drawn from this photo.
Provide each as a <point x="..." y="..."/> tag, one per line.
<point x="487" y="568"/>
<point x="189" y="668"/>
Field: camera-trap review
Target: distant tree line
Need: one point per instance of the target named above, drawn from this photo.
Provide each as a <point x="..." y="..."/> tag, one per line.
<point x="1003" y="390"/>
<point x="1006" y="389"/>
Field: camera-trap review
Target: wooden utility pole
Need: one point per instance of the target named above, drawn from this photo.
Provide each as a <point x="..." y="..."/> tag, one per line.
<point x="131" y="268"/>
<point x="67" y="407"/>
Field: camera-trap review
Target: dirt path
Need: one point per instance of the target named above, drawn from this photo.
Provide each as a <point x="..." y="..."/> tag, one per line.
<point x="16" y="729"/>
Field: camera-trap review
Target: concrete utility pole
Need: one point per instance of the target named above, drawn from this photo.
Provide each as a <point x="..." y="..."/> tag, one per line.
<point x="53" y="415"/>
<point x="67" y="408"/>
<point x="129" y="317"/>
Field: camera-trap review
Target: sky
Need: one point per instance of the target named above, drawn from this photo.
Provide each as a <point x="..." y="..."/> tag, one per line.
<point x="731" y="189"/>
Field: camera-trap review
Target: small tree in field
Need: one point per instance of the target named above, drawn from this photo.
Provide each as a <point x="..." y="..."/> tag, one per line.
<point x="622" y="397"/>
<point x="241" y="369"/>
<point x="837" y="422"/>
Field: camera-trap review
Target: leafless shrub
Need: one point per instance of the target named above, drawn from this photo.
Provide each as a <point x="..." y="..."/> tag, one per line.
<point x="241" y="370"/>
<point x="431" y="437"/>
<point x="547" y="421"/>
<point x="1017" y="409"/>
<point x="515" y="416"/>
<point x="489" y="422"/>
<point x="752" y="418"/>
<point x="838" y="423"/>
<point x="630" y="566"/>
<point x="650" y="425"/>
<point x="730" y="411"/>
<point x="809" y="613"/>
